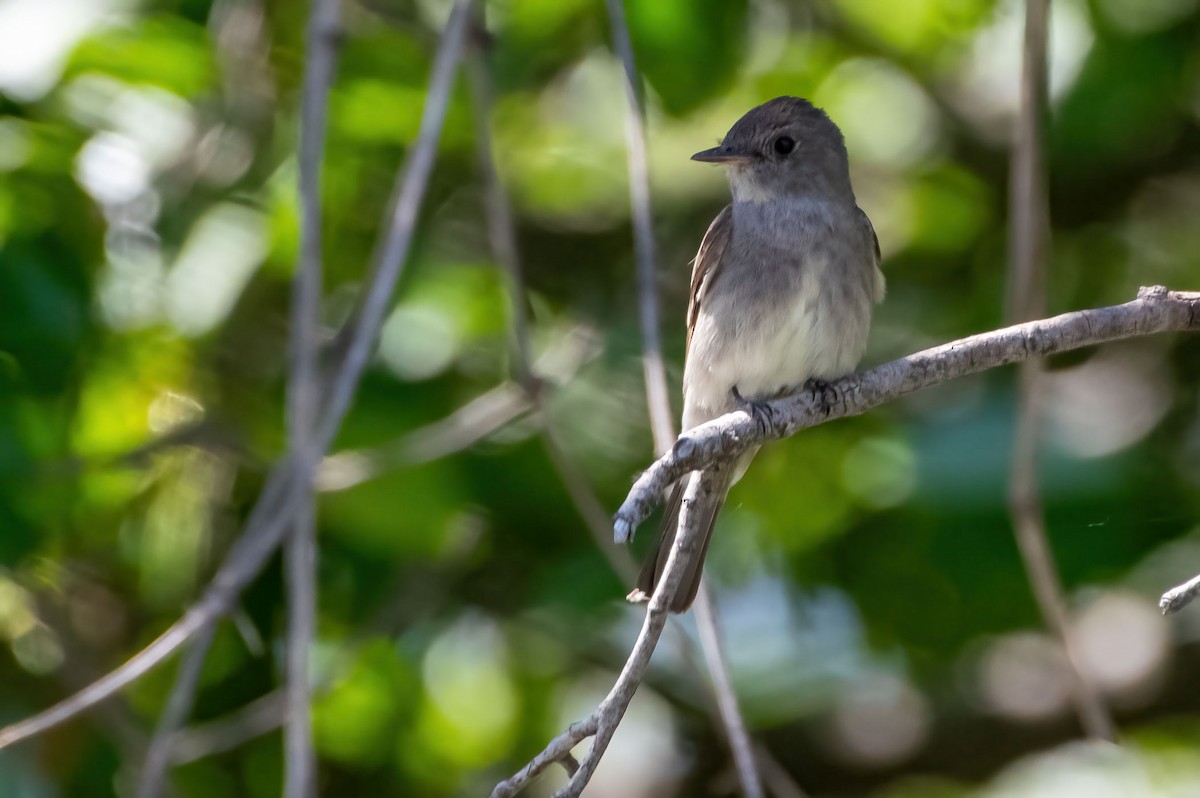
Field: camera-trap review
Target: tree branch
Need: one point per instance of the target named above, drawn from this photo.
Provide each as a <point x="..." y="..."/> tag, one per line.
<point x="179" y="706"/>
<point x="1179" y="597"/>
<point x="300" y="560"/>
<point x="260" y="716"/>
<point x="728" y="711"/>
<point x="1155" y="310"/>
<point x="602" y="723"/>
<point x="502" y="238"/>
<point x="1029" y="241"/>
<point x="654" y="373"/>
<point x="269" y="519"/>
<point x="661" y="418"/>
<point x="389" y="257"/>
<point x="502" y="231"/>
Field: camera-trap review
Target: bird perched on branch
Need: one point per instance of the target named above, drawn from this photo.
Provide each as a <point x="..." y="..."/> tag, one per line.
<point x="782" y="292"/>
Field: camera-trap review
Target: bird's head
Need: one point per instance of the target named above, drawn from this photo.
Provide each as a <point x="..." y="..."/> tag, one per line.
<point x="783" y="148"/>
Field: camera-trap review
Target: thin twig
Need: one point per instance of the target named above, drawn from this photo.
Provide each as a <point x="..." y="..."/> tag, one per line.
<point x="175" y="714"/>
<point x="1155" y="310"/>
<point x="487" y="413"/>
<point x="260" y="716"/>
<point x="661" y="422"/>
<point x="779" y="782"/>
<point x="502" y="230"/>
<point x="602" y="723"/>
<point x="1179" y="597"/>
<point x="492" y="410"/>
<point x="269" y="519"/>
<point x="389" y="259"/>
<point x="300" y="563"/>
<point x="1029" y="237"/>
<point x="503" y="242"/>
<point x="300" y="560"/>
<point x="722" y="684"/>
<point x="590" y="509"/>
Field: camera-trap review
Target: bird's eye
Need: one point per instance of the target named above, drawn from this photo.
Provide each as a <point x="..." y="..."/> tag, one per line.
<point x="784" y="145"/>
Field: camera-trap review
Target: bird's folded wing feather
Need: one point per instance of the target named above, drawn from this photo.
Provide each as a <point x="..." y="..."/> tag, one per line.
<point x="707" y="264"/>
<point x="880" y="287"/>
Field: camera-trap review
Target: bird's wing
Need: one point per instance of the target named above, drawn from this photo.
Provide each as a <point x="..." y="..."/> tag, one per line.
<point x="880" y="286"/>
<point x="707" y="264"/>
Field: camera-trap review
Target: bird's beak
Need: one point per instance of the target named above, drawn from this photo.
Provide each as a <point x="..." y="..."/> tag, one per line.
<point x="722" y="154"/>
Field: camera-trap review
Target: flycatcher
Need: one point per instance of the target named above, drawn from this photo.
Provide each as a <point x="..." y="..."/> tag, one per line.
<point x="782" y="291"/>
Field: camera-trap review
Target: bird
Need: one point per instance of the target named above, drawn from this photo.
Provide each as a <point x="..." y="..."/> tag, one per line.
<point x="782" y="292"/>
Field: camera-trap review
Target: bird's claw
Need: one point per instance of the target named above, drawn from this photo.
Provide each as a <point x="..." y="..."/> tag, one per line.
<point x="825" y="394"/>
<point x="758" y="409"/>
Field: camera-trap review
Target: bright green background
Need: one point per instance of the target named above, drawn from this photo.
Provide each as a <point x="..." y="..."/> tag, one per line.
<point x="874" y="604"/>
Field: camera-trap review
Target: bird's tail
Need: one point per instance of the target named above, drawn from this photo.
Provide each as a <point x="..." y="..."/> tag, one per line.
<point x="708" y="507"/>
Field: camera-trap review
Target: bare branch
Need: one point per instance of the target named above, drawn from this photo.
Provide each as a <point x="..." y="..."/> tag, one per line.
<point x="1155" y="310"/>
<point x="480" y="417"/>
<point x="1179" y="597"/>
<point x="272" y="514"/>
<point x="502" y="231"/>
<point x="1029" y="241"/>
<point x="255" y="719"/>
<point x="300" y="560"/>
<point x="178" y="708"/>
<point x="602" y="723"/>
<point x="463" y="428"/>
<point x="264" y="530"/>
<point x="300" y="564"/>
<point x="643" y="236"/>
<point x="1028" y="208"/>
<point x="728" y="711"/>
<point x="389" y="258"/>
<point x="779" y="782"/>
<point x="590" y="509"/>
<point x="503" y="241"/>
<point x="558" y="750"/>
<point x="661" y="422"/>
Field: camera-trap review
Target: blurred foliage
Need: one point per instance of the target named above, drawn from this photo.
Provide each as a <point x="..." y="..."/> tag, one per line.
<point x="879" y="624"/>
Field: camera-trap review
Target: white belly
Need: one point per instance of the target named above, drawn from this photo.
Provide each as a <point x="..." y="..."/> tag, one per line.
<point x="818" y="329"/>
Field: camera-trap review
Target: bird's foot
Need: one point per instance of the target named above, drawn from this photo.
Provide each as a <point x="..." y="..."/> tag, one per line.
<point x="825" y="394"/>
<point x="758" y="409"/>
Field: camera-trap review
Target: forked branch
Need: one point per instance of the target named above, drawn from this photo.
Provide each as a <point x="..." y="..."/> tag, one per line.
<point x="1155" y="310"/>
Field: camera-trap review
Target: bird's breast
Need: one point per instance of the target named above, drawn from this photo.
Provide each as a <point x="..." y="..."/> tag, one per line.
<point x="783" y="309"/>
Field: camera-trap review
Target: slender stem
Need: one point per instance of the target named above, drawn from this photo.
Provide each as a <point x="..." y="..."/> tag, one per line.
<point x="159" y="755"/>
<point x="1179" y="597"/>
<point x="272" y="514"/>
<point x="503" y="241"/>
<point x="502" y="229"/>
<point x="661" y="423"/>
<point x="1029" y="236"/>
<point x="1155" y="310"/>
<point x="390" y="257"/>
<point x="260" y="716"/>
<point x="300" y="563"/>
<point x="300" y="560"/>
<point x="602" y="723"/>
<point x="722" y="684"/>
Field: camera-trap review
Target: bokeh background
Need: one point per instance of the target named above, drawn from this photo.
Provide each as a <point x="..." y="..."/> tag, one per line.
<point x="881" y="632"/>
